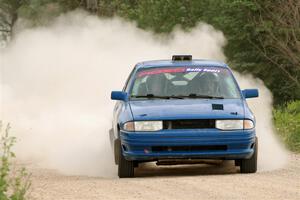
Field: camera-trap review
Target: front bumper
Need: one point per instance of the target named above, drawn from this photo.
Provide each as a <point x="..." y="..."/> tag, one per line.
<point x="140" y="145"/>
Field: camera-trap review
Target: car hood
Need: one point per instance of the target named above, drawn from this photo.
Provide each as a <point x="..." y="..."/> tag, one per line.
<point x="187" y="109"/>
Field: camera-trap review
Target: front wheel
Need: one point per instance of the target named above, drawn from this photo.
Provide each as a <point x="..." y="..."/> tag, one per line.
<point x="250" y="165"/>
<point x="125" y="167"/>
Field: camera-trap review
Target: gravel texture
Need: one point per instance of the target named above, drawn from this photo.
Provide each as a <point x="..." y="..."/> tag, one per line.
<point x="172" y="182"/>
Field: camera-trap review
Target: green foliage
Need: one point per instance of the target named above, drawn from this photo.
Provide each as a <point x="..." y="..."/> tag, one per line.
<point x="8" y="17"/>
<point x="37" y="11"/>
<point x="287" y="120"/>
<point x="43" y="11"/>
<point x="13" y="184"/>
<point x="263" y="35"/>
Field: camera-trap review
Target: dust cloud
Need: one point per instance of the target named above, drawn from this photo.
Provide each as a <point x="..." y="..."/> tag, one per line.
<point x="56" y="82"/>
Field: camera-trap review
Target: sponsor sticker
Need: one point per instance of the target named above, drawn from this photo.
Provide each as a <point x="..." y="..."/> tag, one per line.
<point x="202" y="69"/>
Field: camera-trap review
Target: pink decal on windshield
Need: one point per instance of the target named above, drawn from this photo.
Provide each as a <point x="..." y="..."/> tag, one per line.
<point x="180" y="70"/>
<point x="161" y="71"/>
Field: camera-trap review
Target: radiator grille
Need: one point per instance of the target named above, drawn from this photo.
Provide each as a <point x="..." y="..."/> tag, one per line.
<point x="189" y="124"/>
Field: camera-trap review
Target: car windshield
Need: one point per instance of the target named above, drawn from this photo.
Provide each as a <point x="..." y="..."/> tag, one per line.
<point x="184" y="82"/>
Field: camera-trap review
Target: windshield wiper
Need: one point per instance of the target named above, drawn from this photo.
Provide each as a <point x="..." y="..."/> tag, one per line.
<point x="150" y="96"/>
<point x="158" y="97"/>
<point x="200" y="96"/>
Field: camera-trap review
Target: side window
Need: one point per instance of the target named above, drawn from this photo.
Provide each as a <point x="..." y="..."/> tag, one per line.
<point x="128" y="79"/>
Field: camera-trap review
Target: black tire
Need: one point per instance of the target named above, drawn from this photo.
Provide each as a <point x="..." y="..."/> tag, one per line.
<point x="125" y="167"/>
<point x="135" y="164"/>
<point x="250" y="165"/>
<point x="237" y="162"/>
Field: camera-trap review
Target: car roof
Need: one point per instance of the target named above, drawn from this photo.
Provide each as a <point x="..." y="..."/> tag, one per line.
<point x="171" y="63"/>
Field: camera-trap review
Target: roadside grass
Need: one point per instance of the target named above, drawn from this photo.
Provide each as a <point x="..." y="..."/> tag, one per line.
<point x="14" y="182"/>
<point x="287" y="122"/>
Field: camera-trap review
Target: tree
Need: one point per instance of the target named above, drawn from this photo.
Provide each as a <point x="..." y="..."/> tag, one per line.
<point x="37" y="11"/>
<point x="278" y="38"/>
<point x="263" y="36"/>
<point x="8" y="16"/>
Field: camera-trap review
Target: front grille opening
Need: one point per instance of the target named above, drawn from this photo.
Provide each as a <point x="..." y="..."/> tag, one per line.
<point x="189" y="124"/>
<point x="189" y="148"/>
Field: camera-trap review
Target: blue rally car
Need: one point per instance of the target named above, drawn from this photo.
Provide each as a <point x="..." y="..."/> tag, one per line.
<point x="182" y="109"/>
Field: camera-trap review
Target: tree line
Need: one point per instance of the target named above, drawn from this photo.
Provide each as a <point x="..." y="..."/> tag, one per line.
<point x="263" y="35"/>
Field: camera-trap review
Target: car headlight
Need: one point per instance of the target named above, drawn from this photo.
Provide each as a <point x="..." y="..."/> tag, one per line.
<point x="234" y="124"/>
<point x="143" y="126"/>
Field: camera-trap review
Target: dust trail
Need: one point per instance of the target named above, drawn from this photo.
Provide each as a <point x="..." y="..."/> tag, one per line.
<point x="56" y="82"/>
<point x="272" y="154"/>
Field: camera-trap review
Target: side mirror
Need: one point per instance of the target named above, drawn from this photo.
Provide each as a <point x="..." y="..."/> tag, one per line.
<point x="250" y="93"/>
<point x="119" y="95"/>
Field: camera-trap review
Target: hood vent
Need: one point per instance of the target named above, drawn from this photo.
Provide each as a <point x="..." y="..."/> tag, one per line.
<point x="217" y="107"/>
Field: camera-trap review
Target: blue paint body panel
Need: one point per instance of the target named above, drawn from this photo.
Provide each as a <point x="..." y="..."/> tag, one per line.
<point x="138" y="145"/>
<point x="158" y="109"/>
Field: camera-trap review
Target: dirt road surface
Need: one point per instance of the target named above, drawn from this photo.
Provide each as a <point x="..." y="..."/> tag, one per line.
<point x="172" y="182"/>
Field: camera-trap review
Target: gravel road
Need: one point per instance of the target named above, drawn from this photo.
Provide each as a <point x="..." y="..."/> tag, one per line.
<point x="172" y="182"/>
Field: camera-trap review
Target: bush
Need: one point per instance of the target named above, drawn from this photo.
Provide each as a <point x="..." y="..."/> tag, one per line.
<point x="14" y="184"/>
<point x="287" y="121"/>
